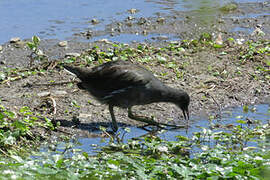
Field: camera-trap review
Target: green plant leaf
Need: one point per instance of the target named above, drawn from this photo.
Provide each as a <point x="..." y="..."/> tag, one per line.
<point x="36" y="40"/>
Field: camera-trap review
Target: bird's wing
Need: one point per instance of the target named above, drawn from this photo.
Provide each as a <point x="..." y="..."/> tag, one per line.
<point x="114" y="75"/>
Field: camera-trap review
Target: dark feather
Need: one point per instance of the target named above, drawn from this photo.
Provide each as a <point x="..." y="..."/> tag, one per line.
<point x="114" y="78"/>
<point x="123" y="84"/>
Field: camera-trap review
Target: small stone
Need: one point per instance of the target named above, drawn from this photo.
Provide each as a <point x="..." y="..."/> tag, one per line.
<point x="162" y="38"/>
<point x="142" y="21"/>
<point x="130" y="18"/>
<point x="221" y="21"/>
<point x="59" y="93"/>
<point x="161" y="20"/>
<point x="19" y="44"/>
<point x="258" y="26"/>
<point x="132" y="11"/>
<point x="43" y="94"/>
<point x="119" y="30"/>
<point x="235" y="21"/>
<point x="62" y="43"/>
<point x="174" y="42"/>
<point x="72" y="54"/>
<point x="129" y="24"/>
<point x="144" y="32"/>
<point x="88" y="33"/>
<point x="15" y="40"/>
<point x="106" y="41"/>
<point x="81" y="115"/>
<point x="219" y="40"/>
<point x="94" y="21"/>
<point x="240" y="41"/>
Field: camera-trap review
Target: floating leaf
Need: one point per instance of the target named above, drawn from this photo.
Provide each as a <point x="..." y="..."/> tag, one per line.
<point x="245" y="109"/>
<point x="241" y="121"/>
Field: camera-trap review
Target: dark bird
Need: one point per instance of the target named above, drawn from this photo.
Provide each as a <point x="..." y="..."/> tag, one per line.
<point x="123" y="84"/>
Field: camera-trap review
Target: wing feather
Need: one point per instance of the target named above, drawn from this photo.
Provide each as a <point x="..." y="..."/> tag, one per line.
<point x="114" y="75"/>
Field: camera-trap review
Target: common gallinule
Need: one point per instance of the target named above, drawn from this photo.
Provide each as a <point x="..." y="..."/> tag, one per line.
<point x="123" y="84"/>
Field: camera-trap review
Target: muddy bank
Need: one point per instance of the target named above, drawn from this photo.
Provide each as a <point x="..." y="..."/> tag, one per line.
<point x="215" y="78"/>
<point x="217" y="73"/>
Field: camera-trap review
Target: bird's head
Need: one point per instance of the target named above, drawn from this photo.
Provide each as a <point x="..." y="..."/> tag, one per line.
<point x="183" y="104"/>
<point x="182" y="99"/>
<point x="179" y="97"/>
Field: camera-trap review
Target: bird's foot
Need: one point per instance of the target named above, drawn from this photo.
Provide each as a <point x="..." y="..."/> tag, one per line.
<point x="114" y="127"/>
<point x="151" y="121"/>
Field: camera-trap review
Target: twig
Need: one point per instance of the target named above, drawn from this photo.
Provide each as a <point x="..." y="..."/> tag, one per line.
<point x="12" y="79"/>
<point x="219" y="107"/>
<point x="54" y="104"/>
<point x="4" y="152"/>
<point x="53" y="84"/>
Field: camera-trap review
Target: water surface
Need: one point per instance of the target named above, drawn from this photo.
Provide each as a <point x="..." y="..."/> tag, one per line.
<point x="259" y="113"/>
<point x="60" y="19"/>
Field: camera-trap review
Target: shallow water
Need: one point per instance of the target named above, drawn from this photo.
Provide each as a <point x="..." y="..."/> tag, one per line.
<point x="60" y="19"/>
<point x="230" y="116"/>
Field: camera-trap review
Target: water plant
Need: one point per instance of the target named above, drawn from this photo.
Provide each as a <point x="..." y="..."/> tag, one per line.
<point x="208" y="154"/>
<point x="16" y="133"/>
<point x="37" y="53"/>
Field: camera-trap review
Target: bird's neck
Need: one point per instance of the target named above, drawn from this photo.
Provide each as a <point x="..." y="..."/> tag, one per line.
<point x="168" y="94"/>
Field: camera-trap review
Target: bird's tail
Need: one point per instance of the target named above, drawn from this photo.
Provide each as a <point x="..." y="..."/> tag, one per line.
<point x="81" y="73"/>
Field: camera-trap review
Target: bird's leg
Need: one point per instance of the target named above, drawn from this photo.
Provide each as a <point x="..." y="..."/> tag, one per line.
<point x="142" y="119"/>
<point x="149" y="120"/>
<point x="114" y="123"/>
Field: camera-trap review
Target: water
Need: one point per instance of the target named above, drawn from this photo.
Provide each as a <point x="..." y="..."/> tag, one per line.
<point x="60" y="19"/>
<point x="230" y="116"/>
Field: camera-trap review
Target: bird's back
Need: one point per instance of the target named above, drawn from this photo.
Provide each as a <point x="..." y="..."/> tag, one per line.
<point x="122" y="73"/>
<point x="113" y="79"/>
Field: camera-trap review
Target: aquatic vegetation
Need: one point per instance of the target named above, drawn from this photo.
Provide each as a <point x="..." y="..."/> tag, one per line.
<point x="208" y="154"/>
<point x="16" y="129"/>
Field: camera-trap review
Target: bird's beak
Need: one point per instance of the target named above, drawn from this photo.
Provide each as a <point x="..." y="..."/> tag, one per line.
<point x="186" y="113"/>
